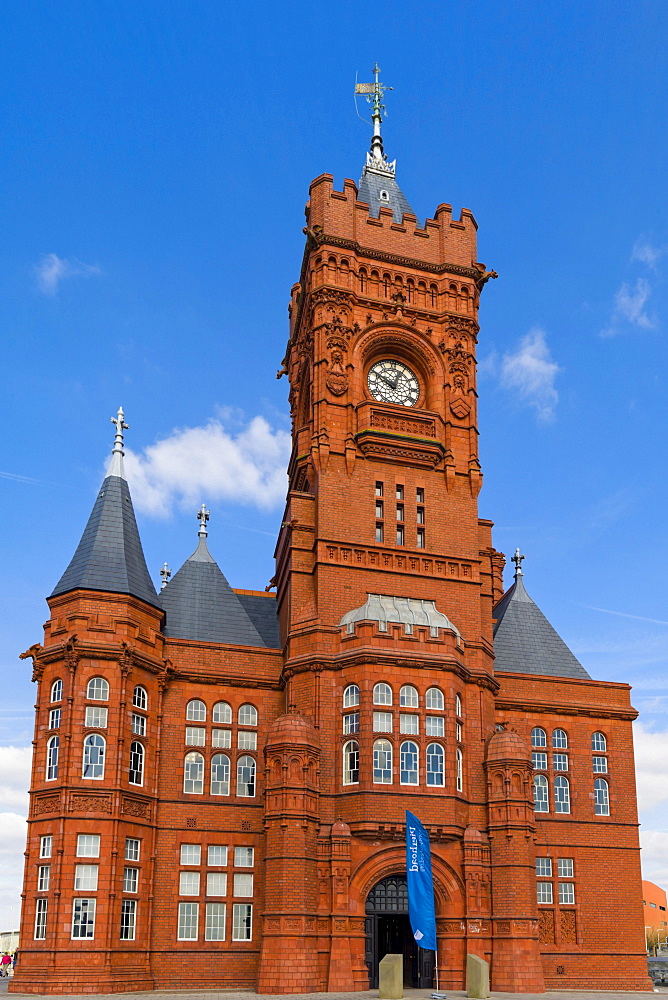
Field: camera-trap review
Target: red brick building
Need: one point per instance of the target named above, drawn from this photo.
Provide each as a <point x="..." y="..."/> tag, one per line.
<point x="221" y="776"/>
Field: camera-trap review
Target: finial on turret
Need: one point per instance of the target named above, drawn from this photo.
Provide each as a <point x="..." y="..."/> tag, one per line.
<point x="203" y="516"/>
<point x="165" y="573"/>
<point x="117" y="453"/>
<point x="517" y="559"/>
<point x="374" y="93"/>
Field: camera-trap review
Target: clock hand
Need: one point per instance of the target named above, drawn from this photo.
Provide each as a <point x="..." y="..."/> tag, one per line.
<point x="387" y="381"/>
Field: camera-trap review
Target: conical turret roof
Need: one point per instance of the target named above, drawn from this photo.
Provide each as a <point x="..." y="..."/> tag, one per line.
<point x="524" y="640"/>
<point x="109" y="556"/>
<point x="199" y="603"/>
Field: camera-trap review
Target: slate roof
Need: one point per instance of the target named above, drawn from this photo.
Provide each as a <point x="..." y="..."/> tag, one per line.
<point x="526" y="643"/>
<point x="263" y="612"/>
<point x="109" y="556"/>
<point x="371" y="184"/>
<point x="199" y="604"/>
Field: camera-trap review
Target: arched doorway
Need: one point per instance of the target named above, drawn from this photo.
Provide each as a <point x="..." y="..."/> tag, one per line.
<point x="388" y="931"/>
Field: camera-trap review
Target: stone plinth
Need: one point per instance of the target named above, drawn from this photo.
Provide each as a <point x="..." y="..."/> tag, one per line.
<point x="391" y="977"/>
<point x="477" y="977"/>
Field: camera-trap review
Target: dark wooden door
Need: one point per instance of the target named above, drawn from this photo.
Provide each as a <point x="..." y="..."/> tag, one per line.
<point x="388" y="932"/>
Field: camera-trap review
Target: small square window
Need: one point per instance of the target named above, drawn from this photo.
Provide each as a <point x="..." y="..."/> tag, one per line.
<point x="560" y="761"/>
<point x="138" y="724"/>
<point x="43" y="878"/>
<point x="221" y="738"/>
<point x="409" y="724"/>
<point x="565" y="867"/>
<point x="382" y="722"/>
<point x="351" y="723"/>
<point x="88" y="845"/>
<point x="539" y="761"/>
<point x="400" y="492"/>
<point x="195" y="736"/>
<point x="216" y="883"/>
<point x="544" y="892"/>
<point x="435" y="725"/>
<point x="96" y="717"/>
<point x="45" y="846"/>
<point x="54" y="718"/>
<point x="566" y="893"/>
<point x="544" y="867"/>
<point x="244" y="857"/>
<point x="600" y="765"/>
<point x="217" y="855"/>
<point x="191" y="854"/>
<point x="379" y="489"/>
<point x="247" y="741"/>
<point x="130" y="879"/>
<point x="243" y="885"/>
<point x="132" y="848"/>
<point x="419" y="494"/>
<point x="189" y="884"/>
<point x="85" y="878"/>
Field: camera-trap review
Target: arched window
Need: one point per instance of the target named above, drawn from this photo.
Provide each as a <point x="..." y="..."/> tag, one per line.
<point x="196" y="711"/>
<point x="98" y="689"/>
<point x="93" y="756"/>
<point x="52" y="750"/>
<point x="140" y="698"/>
<point x="538" y="737"/>
<point x="222" y="713"/>
<point x="559" y="739"/>
<point x="435" y="765"/>
<point x="435" y="700"/>
<point x="382" y="762"/>
<point x="220" y="774"/>
<point x="362" y="280"/>
<point x="433" y="293"/>
<point x="458" y="706"/>
<point x="540" y="797"/>
<point x="247" y="715"/>
<point x="601" y="797"/>
<point x="408" y="763"/>
<point x="351" y="763"/>
<point x="57" y="690"/>
<point x="382" y="694"/>
<point x="460" y="771"/>
<point x="193" y="773"/>
<point x="351" y="696"/>
<point x="410" y="291"/>
<point x="599" y="743"/>
<point x="386" y="286"/>
<point x="136" y="772"/>
<point x="408" y="696"/>
<point x="246" y="776"/>
<point x="562" y="795"/>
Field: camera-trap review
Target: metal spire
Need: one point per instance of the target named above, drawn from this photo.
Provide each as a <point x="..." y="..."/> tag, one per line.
<point x="165" y="573"/>
<point x="203" y="516"/>
<point x="375" y="93"/>
<point x="517" y="559"/>
<point x="117" y="453"/>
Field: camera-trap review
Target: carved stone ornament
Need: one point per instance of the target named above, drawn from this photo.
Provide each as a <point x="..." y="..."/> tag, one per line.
<point x="90" y="803"/>
<point x="46" y="804"/>
<point x="135" y="807"/>
<point x="336" y="378"/>
<point x="459" y="408"/>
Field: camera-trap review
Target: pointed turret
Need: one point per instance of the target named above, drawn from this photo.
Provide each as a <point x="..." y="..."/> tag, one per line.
<point x="524" y="640"/>
<point x="199" y="603"/>
<point x="109" y="556"/>
<point x="378" y="185"/>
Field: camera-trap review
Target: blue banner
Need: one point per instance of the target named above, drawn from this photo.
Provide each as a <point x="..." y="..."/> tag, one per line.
<point x="420" y="883"/>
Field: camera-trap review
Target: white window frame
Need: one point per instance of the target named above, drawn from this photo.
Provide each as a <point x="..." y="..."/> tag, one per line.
<point x="560" y="739"/>
<point x="599" y="742"/>
<point x="196" y="710"/>
<point x="97" y="717"/>
<point x="242" y="920"/>
<point x="41" y="916"/>
<point x="541" y="800"/>
<point x="190" y="854"/>
<point x="351" y="723"/>
<point x="247" y="715"/>
<point x="543" y="868"/>
<point x="351" y="763"/>
<point x="435" y="775"/>
<point x="193" y="773"/>
<point x="188" y="922"/>
<point x="221" y="739"/>
<point x="544" y="895"/>
<point x="565" y="868"/>
<point x="94" y="762"/>
<point x="382" y="775"/>
<point x="216" y="883"/>
<point x="195" y="736"/>
<point x="538" y="738"/>
<point x="435" y="700"/>
<point x="435" y="726"/>
<point x="246" y="860"/>
<point x="138" y="724"/>
<point x="216" y="918"/>
<point x="140" y="698"/>
<point x="130" y="879"/>
<point x="459" y="760"/>
<point x="57" y="690"/>
<point x="242" y="882"/>
<point x="351" y="696"/>
<point x="382" y="722"/>
<point x="246" y="740"/>
<point x="128" y="927"/>
<point x="409" y="724"/>
<point x="189" y="883"/>
<point x="246" y="777"/>
<point x="46" y="846"/>
<point x="566" y="894"/>
<point x="52" y="755"/>
<point x="601" y="801"/>
<point x="539" y="760"/>
<point x="97" y="689"/>
<point x="137" y="758"/>
<point x="409" y="750"/>
<point x="43" y="878"/>
<point x="220" y="784"/>
<point x="54" y="718"/>
<point x="211" y="855"/>
<point x="86" y="878"/>
<point x="83" y="906"/>
<point x="382" y="693"/>
<point x="409" y="697"/>
<point x="88" y="845"/>
<point x="132" y="848"/>
<point x="222" y="714"/>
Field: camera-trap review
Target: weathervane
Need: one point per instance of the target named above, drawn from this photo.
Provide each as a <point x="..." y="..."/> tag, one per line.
<point x="203" y="516"/>
<point x="165" y="573"/>
<point x="517" y="559"/>
<point x="374" y="93"/>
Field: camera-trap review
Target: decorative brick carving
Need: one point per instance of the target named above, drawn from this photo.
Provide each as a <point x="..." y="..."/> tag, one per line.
<point x="90" y="803"/>
<point x="546" y="926"/>
<point x="135" y="807"/>
<point x="45" y="804"/>
<point x="568" y="930"/>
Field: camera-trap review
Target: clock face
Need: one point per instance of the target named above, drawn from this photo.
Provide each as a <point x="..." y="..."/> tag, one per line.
<point x="393" y="382"/>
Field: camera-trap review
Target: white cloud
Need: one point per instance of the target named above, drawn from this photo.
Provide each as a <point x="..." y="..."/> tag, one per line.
<point x="52" y="269"/>
<point x="210" y="463"/>
<point x="630" y="309"/>
<point x="654" y="856"/>
<point x="651" y="752"/>
<point x="644" y="252"/>
<point x="530" y="373"/>
<point x="15" y="765"/>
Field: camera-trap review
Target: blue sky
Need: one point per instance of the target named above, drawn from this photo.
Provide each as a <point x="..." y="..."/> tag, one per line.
<point x="155" y="162"/>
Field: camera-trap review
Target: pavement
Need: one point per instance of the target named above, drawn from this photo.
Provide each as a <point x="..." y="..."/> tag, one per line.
<point x="366" y="995"/>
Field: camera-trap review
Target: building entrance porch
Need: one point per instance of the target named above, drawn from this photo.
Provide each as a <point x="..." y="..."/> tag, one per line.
<point x="388" y="931"/>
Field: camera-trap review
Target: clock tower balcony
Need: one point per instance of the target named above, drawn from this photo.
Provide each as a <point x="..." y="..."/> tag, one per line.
<point x="396" y="434"/>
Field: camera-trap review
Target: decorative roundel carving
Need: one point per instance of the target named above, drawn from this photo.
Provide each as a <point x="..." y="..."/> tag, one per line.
<point x="391" y="381"/>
